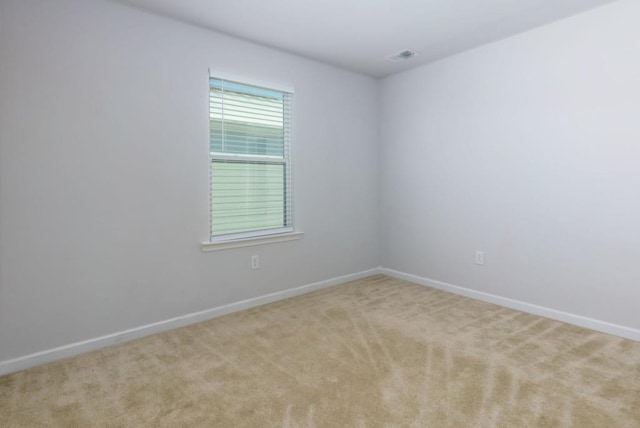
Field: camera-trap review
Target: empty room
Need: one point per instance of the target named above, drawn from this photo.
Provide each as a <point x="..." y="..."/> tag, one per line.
<point x="339" y="213"/>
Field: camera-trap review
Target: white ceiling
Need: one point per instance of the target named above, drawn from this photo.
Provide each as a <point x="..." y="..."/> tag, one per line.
<point x="359" y="34"/>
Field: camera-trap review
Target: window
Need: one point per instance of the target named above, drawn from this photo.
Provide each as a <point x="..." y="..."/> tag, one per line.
<point x="250" y="165"/>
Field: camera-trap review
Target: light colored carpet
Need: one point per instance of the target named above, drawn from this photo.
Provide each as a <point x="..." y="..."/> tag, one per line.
<point x="378" y="352"/>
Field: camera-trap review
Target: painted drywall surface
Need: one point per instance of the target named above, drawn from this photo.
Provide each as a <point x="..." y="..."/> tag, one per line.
<point x="104" y="181"/>
<point x="527" y="149"/>
<point x="2" y="126"/>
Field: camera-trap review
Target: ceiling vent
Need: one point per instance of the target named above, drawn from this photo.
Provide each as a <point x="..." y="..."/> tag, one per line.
<point x="401" y="56"/>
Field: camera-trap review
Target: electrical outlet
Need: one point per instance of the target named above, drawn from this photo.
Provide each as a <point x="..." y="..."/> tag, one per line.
<point x="255" y="262"/>
<point x="480" y="258"/>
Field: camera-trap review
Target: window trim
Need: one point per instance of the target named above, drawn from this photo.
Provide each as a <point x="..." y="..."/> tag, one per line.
<point x="255" y="237"/>
<point x="217" y="245"/>
<point x="250" y="81"/>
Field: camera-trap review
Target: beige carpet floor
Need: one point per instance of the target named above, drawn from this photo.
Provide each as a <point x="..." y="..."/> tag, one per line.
<point x="378" y="352"/>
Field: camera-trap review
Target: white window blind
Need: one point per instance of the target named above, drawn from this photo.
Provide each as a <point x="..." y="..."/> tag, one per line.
<point x="250" y="167"/>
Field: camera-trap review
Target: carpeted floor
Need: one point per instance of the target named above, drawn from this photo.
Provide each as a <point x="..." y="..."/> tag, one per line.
<point x="378" y="352"/>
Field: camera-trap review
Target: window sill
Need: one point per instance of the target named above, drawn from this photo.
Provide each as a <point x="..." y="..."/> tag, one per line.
<point x="249" y="242"/>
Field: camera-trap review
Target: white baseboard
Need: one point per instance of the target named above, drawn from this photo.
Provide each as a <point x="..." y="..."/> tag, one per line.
<point x="50" y="355"/>
<point x="579" y="320"/>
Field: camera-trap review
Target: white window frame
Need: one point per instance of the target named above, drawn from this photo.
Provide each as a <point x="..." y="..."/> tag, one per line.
<point x="257" y="237"/>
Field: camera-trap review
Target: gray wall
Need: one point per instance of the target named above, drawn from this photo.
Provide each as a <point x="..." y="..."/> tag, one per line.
<point x="104" y="179"/>
<point x="527" y="149"/>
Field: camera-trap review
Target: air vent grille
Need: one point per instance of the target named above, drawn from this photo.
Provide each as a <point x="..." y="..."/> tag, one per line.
<point x="401" y="56"/>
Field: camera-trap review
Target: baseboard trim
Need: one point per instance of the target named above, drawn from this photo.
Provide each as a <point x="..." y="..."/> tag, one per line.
<point x="579" y="320"/>
<point x="73" y="349"/>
